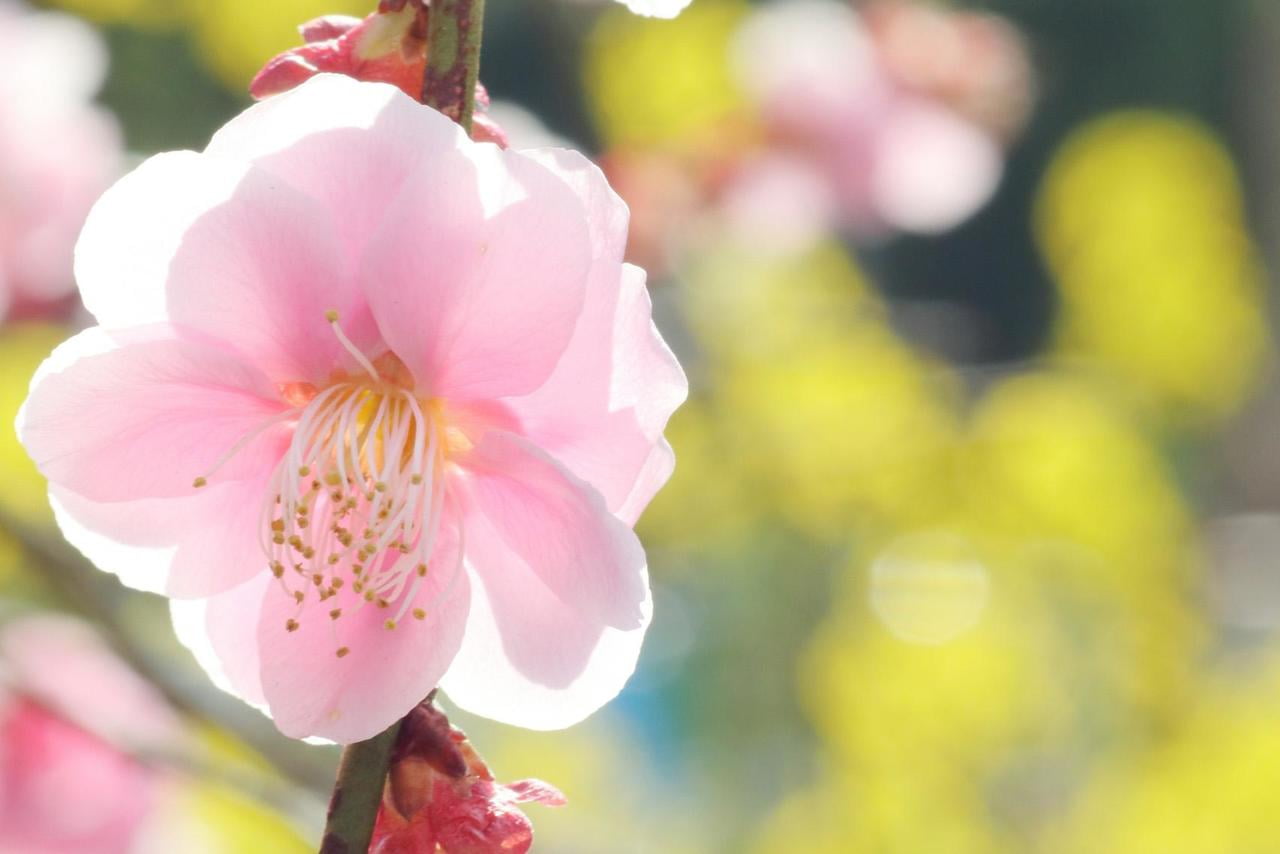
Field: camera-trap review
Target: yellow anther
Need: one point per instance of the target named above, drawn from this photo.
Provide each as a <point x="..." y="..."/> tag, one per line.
<point x="199" y="482"/>
<point x="380" y="486"/>
<point x="317" y="579"/>
<point x="419" y="614"/>
<point x="332" y="316"/>
<point x="278" y="539"/>
<point x="422" y="569"/>
<point x="390" y="624"/>
<point x="308" y="552"/>
<point x="368" y="596"/>
<point x="416" y="480"/>
<point x="342" y="652"/>
<point x="277" y="569"/>
<point x="332" y="559"/>
<point x="383" y="603"/>
<point x="277" y="524"/>
<point x="333" y="479"/>
<point x="335" y="613"/>
<point x="298" y="595"/>
<point x="290" y="625"/>
<point x="303" y="471"/>
<point x="336" y="583"/>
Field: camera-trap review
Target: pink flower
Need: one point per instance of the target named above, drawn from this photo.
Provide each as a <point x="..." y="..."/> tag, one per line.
<point x="58" y="152"/>
<point x="898" y="152"/>
<point x="441" y="793"/>
<point x="66" y="710"/>
<point x="388" y="46"/>
<point x="379" y="403"/>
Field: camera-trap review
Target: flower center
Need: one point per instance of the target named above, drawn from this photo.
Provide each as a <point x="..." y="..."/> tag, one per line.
<point x="357" y="498"/>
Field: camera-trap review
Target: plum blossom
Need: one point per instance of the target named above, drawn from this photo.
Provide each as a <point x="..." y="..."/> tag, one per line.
<point x="442" y="796"/>
<point x="58" y="151"/>
<point x="376" y="405"/>
<point x="68" y="708"/>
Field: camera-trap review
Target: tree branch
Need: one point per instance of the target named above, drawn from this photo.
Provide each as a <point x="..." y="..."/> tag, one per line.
<point x="362" y="774"/>
<point x="453" y="58"/>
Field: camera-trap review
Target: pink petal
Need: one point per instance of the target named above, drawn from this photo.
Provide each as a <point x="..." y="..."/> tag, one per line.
<point x="145" y="419"/>
<point x="222" y="634"/>
<point x="181" y="547"/>
<point x="932" y="168"/>
<point x="136" y="227"/>
<point x="477" y="276"/>
<point x="556" y="528"/>
<point x="527" y="658"/>
<point x="226" y="249"/>
<point x="327" y="27"/>
<point x="347" y="144"/>
<point x="603" y="411"/>
<point x="534" y="791"/>
<point x="313" y="692"/>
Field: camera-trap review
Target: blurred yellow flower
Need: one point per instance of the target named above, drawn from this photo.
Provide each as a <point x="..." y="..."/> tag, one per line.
<point x="22" y="349"/>
<point x="1210" y="786"/>
<point x="139" y="13"/>
<point x="827" y="412"/>
<point x="1141" y="220"/>
<point x="205" y="818"/>
<point x="237" y="37"/>
<point x="652" y="81"/>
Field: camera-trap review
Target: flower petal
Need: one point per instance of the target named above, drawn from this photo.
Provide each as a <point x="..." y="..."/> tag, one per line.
<point x="527" y="658"/>
<point x="144" y="419"/>
<point x="603" y="411"/>
<point x="556" y="528"/>
<point x="221" y="633"/>
<point x="477" y="276"/>
<point x="384" y="673"/>
<point x="180" y="547"/>
<point x="224" y="248"/>
<point x="349" y="145"/>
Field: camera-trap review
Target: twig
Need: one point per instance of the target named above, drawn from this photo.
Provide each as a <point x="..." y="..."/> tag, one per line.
<point x="453" y="58"/>
<point x="362" y="774"/>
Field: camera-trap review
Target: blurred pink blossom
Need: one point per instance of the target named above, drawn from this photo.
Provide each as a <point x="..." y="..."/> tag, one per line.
<point x="441" y="793"/>
<point x="379" y="403"/>
<point x="68" y="708"/>
<point x="898" y="119"/>
<point x="58" y="152"/>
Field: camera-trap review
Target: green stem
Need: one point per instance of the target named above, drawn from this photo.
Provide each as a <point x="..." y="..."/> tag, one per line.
<point x="453" y="58"/>
<point x="362" y="774"/>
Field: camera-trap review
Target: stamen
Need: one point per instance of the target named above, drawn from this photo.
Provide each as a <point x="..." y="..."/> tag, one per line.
<point x="357" y="499"/>
<point x="332" y="316"/>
